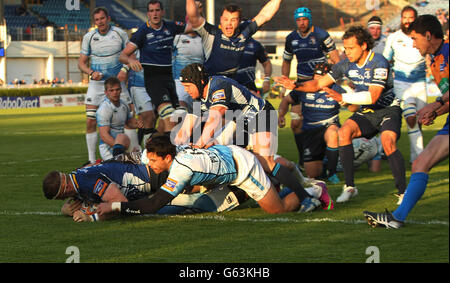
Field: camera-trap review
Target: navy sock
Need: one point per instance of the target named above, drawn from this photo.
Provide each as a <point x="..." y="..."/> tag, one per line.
<point x="298" y="141"/>
<point x="346" y="154"/>
<point x="397" y="165"/>
<point x="333" y="157"/>
<point x="285" y="177"/>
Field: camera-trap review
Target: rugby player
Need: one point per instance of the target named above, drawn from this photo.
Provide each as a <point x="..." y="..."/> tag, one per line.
<point x="154" y="39"/>
<point x="410" y="74"/>
<point x="379" y="111"/>
<point x="225" y="44"/>
<point x="112" y="116"/>
<point x="320" y="126"/>
<point x="212" y="167"/>
<point x="428" y="38"/>
<point x="310" y="45"/>
<point x="102" y="46"/>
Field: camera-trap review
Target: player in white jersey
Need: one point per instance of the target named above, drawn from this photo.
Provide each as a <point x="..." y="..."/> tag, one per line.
<point x="212" y="167"/>
<point x="102" y="46"/>
<point x="112" y="116"/>
<point x="409" y="81"/>
<point x="187" y="49"/>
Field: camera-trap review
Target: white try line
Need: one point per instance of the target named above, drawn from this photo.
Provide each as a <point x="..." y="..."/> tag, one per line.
<point x="241" y="219"/>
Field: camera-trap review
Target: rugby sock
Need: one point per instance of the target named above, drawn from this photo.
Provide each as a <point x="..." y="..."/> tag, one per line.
<point x="134" y="142"/>
<point x="288" y="179"/>
<point x="346" y="154"/>
<point x="397" y="165"/>
<point x="91" y="141"/>
<point x="140" y="133"/>
<point x="416" y="187"/>
<point x="298" y="141"/>
<point x="415" y="141"/>
<point x="332" y="155"/>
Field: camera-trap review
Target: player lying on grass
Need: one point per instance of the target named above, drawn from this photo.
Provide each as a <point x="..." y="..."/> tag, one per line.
<point x="117" y="181"/>
<point x="216" y="166"/>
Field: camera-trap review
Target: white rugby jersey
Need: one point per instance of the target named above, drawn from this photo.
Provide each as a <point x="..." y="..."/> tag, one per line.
<point x="409" y="65"/>
<point x="113" y="116"/>
<point x="104" y="50"/>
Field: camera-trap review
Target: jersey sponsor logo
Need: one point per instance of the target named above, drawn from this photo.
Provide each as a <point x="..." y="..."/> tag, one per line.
<point x="170" y="185"/>
<point x="100" y="187"/>
<point x="150" y="35"/>
<point x="218" y="95"/>
<point x="380" y="73"/>
<point x="294" y="42"/>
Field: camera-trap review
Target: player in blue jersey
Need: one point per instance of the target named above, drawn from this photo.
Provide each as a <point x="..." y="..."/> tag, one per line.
<point x="379" y="111"/>
<point x="224" y="44"/>
<point x="320" y="126"/>
<point x="124" y="178"/>
<point x="155" y="39"/>
<point x="426" y="33"/>
<point x="216" y="166"/>
<point x="254" y="52"/>
<point x="102" y="46"/>
<point x="410" y="78"/>
<point x="246" y="117"/>
<point x="310" y="45"/>
<point x="112" y="116"/>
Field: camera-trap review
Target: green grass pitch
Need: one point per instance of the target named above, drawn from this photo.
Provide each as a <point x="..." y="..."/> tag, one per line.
<point x="35" y="141"/>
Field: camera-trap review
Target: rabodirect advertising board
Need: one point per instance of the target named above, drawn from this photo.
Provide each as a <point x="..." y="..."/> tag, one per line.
<point x="9" y="102"/>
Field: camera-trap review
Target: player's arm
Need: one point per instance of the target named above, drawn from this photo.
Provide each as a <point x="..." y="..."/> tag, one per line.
<point x="212" y="125"/>
<point x="357" y="98"/>
<point x="267" y="66"/>
<point x="283" y="108"/>
<point x="334" y="56"/>
<point x="185" y="131"/>
<point x="128" y="57"/>
<point x="84" y="67"/>
<point x="194" y="17"/>
<point x="308" y="86"/>
<point x="106" y="136"/>
<point x="267" y="12"/>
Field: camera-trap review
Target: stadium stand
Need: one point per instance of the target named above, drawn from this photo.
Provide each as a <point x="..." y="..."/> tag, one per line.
<point x="55" y="11"/>
<point x="119" y="14"/>
<point x="16" y="20"/>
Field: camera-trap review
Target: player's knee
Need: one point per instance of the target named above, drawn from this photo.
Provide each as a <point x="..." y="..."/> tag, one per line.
<point x="388" y="141"/>
<point x="345" y="135"/>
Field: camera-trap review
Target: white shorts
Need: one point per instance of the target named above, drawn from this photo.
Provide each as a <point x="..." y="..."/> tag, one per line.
<point x="96" y="93"/>
<point x="251" y="177"/>
<point x="182" y="94"/>
<point x="411" y="94"/>
<point x="142" y="101"/>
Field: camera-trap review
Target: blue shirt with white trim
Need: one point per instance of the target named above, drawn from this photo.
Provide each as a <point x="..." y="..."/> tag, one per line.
<point x="375" y="71"/>
<point x="156" y="45"/>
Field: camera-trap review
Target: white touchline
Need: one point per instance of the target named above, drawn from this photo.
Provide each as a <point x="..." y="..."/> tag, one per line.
<point x="241" y="219"/>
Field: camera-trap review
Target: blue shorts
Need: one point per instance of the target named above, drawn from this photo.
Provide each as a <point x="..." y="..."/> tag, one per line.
<point x="444" y="130"/>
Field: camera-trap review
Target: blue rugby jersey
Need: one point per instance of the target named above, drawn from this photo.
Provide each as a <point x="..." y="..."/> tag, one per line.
<point x="104" y="50"/>
<point x="230" y="94"/>
<point x="207" y="167"/>
<point x="253" y="52"/>
<point x="92" y="182"/>
<point x="156" y="45"/>
<point x="375" y="71"/>
<point x="318" y="110"/>
<point x="223" y="53"/>
<point x="309" y="50"/>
